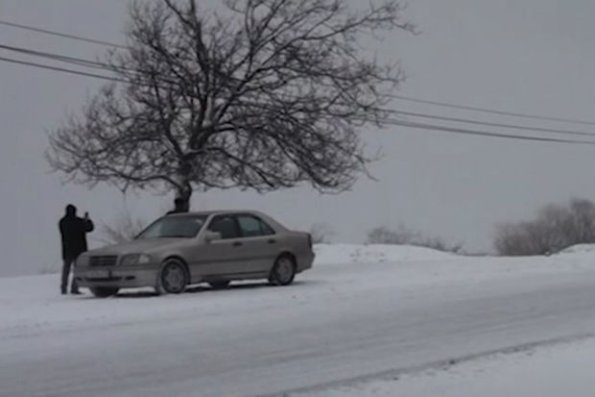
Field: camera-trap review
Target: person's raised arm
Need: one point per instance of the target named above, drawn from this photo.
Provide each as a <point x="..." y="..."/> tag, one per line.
<point x="89" y="226"/>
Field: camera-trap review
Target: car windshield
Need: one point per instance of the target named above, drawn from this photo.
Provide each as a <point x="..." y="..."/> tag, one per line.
<point x="174" y="226"/>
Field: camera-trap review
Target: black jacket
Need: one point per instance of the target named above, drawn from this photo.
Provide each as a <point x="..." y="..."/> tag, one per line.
<point x="74" y="236"/>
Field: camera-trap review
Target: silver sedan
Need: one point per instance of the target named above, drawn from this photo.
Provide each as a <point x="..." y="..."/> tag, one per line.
<point x="182" y="249"/>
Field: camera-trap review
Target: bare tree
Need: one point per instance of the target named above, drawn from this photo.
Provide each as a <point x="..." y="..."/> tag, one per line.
<point x="555" y="227"/>
<point x="263" y="95"/>
<point x="582" y="220"/>
<point x="509" y="240"/>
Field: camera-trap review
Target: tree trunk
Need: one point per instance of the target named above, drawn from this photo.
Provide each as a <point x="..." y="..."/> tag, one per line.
<point x="182" y="200"/>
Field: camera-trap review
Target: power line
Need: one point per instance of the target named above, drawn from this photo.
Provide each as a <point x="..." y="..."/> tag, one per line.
<point x="453" y="130"/>
<point x="492" y="111"/>
<point x="491" y="124"/>
<point x="58" y="57"/>
<point x="431" y="127"/>
<point x="401" y="97"/>
<point x="63" y="70"/>
<point x="60" y="34"/>
<point x="103" y="66"/>
<point x="77" y="61"/>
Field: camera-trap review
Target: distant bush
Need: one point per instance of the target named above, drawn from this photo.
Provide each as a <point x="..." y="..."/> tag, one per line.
<point x="406" y="236"/>
<point x="554" y="228"/>
<point x="384" y="235"/>
<point x="123" y="229"/>
<point x="322" y="233"/>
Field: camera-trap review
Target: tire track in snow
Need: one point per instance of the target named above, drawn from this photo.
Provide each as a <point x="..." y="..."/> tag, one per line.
<point x="443" y="364"/>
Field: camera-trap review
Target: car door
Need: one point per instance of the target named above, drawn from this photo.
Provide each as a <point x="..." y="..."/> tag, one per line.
<point x="221" y="257"/>
<point x="259" y="244"/>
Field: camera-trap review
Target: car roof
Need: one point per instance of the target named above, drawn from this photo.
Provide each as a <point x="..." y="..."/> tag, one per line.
<point x="215" y="212"/>
<point x="271" y="221"/>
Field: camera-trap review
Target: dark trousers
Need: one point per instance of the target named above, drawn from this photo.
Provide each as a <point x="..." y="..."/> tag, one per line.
<point x="68" y="263"/>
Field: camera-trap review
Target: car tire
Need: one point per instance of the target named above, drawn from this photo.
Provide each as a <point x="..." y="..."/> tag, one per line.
<point x="173" y="277"/>
<point x="104" y="292"/>
<point x="283" y="271"/>
<point x="220" y="284"/>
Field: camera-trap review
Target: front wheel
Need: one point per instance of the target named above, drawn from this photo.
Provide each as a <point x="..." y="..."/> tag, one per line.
<point x="283" y="271"/>
<point x="103" y="292"/>
<point x="173" y="278"/>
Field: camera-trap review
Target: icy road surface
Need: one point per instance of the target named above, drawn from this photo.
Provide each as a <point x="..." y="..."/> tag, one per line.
<point x="360" y="312"/>
<point x="541" y="370"/>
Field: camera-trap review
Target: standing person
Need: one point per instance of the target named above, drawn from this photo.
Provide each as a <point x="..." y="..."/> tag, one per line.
<point x="74" y="242"/>
<point x="180" y="206"/>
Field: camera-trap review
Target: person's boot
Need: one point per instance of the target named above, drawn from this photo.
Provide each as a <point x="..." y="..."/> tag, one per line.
<point x="74" y="288"/>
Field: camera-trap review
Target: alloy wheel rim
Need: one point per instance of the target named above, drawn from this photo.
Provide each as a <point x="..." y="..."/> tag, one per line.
<point x="174" y="278"/>
<point x="284" y="270"/>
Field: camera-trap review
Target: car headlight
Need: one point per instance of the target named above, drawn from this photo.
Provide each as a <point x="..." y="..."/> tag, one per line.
<point x="135" y="259"/>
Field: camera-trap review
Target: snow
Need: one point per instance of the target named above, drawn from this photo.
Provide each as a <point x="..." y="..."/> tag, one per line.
<point x="588" y="249"/>
<point x="551" y="371"/>
<point x="361" y="312"/>
<point x="355" y="253"/>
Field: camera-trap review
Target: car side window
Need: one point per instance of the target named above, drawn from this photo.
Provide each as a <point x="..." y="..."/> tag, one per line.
<point x="252" y="226"/>
<point x="226" y="226"/>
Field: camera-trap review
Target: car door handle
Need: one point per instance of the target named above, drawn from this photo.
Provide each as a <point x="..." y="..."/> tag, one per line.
<point x="237" y="244"/>
<point x="271" y="241"/>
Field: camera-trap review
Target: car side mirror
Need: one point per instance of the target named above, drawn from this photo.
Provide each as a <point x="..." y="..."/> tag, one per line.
<point x="212" y="236"/>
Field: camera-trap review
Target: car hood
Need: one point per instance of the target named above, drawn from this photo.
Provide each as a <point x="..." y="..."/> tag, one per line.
<point x="139" y="246"/>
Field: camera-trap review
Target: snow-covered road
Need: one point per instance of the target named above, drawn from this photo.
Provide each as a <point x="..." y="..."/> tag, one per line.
<point x="377" y="310"/>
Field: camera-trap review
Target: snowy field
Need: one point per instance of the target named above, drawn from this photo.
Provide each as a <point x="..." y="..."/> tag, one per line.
<point x="361" y="317"/>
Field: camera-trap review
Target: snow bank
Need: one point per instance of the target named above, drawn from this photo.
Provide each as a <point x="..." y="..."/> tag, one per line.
<point x="561" y="370"/>
<point x="580" y="249"/>
<point x="374" y="253"/>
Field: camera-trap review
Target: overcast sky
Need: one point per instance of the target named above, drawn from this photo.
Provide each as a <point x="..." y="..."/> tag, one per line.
<point x="532" y="56"/>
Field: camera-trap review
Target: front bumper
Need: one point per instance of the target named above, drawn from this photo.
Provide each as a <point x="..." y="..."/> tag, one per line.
<point x="116" y="277"/>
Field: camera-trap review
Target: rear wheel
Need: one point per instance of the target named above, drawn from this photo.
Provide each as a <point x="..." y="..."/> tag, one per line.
<point x="220" y="284"/>
<point x="173" y="277"/>
<point x="283" y="271"/>
<point x="104" y="292"/>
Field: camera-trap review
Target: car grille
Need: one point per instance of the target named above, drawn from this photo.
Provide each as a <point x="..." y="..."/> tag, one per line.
<point x="105" y="260"/>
